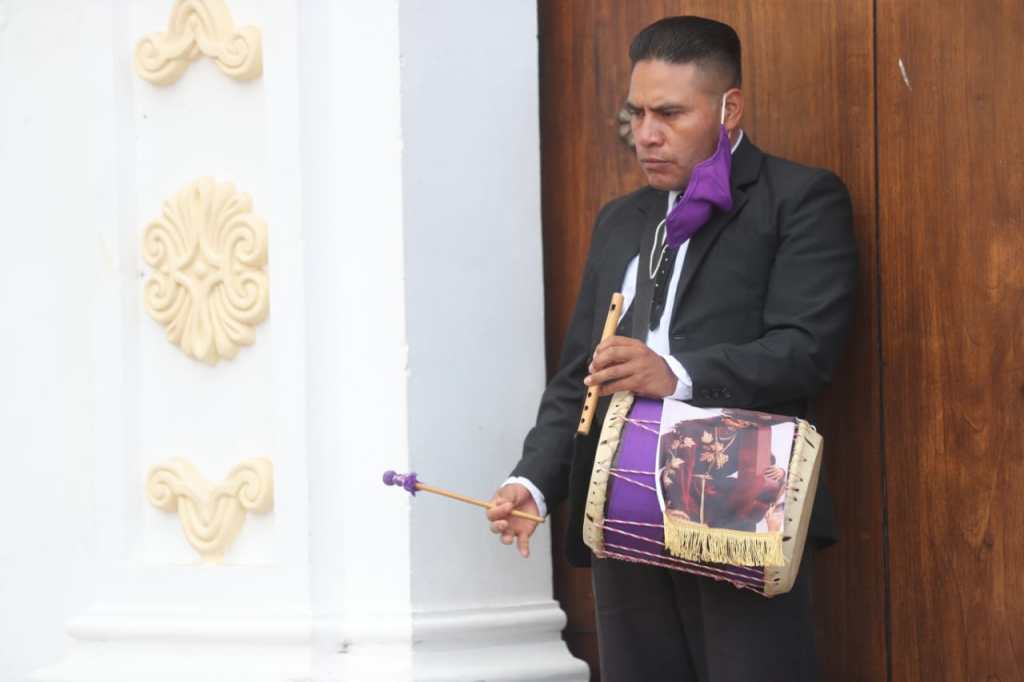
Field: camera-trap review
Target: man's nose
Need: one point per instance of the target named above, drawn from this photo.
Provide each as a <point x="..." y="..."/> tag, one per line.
<point x="647" y="132"/>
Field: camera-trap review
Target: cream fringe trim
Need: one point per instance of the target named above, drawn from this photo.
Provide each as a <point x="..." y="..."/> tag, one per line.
<point x="695" y="542"/>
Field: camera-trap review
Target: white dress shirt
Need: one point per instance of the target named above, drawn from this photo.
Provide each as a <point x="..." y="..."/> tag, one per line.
<point x="657" y="340"/>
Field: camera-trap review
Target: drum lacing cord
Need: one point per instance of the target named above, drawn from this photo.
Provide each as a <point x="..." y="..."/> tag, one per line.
<point x="605" y="527"/>
<point x="643" y="424"/>
<point x="702" y="569"/>
<point x="696" y="569"/>
<point x="633" y="523"/>
<point x="619" y="474"/>
<point x="676" y="560"/>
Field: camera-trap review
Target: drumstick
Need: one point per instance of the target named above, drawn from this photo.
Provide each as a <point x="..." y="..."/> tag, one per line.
<point x="610" y="323"/>
<point x="409" y="482"/>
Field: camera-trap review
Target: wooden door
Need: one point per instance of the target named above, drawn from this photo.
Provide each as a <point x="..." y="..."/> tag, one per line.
<point x="952" y="245"/>
<point x="808" y="78"/>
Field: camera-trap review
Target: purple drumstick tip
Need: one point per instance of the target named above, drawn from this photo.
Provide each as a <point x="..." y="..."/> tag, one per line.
<point x="407" y="481"/>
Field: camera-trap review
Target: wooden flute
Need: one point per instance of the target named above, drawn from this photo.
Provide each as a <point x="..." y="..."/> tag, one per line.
<point x="590" y="404"/>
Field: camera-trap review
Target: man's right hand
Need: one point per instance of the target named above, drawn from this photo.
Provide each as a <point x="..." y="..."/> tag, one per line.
<point x="513" y="496"/>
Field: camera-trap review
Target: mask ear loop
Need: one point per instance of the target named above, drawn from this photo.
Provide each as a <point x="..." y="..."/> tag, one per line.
<point x="724" y="96"/>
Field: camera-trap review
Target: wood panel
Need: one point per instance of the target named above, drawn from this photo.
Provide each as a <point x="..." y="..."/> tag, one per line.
<point x="808" y="71"/>
<point x="951" y="167"/>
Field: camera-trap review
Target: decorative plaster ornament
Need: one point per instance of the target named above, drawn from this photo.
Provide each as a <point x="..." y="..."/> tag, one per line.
<point x="198" y="27"/>
<point x="211" y="515"/>
<point x="625" y="129"/>
<point x="207" y="286"/>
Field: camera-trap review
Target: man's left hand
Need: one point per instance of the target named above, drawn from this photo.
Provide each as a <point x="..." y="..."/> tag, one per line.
<point x="622" y="363"/>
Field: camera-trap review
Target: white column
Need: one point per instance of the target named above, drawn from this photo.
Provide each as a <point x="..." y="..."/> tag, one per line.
<point x="392" y="148"/>
<point x="426" y="201"/>
<point x="157" y="612"/>
<point x="474" y="304"/>
<point x="357" y="346"/>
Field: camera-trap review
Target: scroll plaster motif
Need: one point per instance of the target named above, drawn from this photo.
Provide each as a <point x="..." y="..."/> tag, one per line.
<point x="208" y="285"/>
<point x="199" y="27"/>
<point x="211" y="515"/>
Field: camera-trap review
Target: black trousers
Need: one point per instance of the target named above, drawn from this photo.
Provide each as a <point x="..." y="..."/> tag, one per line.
<point x="655" y="625"/>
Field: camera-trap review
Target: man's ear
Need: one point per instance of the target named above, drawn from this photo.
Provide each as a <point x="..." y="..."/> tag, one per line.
<point x="733" y="109"/>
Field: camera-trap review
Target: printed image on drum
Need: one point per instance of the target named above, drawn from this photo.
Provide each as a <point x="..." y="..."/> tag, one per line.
<point x="720" y="493"/>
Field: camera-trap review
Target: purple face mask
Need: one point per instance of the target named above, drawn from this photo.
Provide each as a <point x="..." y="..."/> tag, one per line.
<point x="707" y="190"/>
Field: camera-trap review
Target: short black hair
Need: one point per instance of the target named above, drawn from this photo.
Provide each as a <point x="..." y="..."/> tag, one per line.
<point x="691" y="40"/>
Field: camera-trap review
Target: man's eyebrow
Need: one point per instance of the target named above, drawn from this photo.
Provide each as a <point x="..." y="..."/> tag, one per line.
<point x="661" y="106"/>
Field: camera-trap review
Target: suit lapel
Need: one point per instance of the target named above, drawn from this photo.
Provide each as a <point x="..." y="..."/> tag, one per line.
<point x="624" y="243"/>
<point x="745" y="169"/>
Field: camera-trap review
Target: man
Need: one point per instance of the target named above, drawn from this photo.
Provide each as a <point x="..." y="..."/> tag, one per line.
<point x="748" y="311"/>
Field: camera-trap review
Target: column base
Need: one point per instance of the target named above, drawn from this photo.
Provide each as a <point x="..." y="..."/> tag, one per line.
<point x="133" y="646"/>
<point x="520" y="643"/>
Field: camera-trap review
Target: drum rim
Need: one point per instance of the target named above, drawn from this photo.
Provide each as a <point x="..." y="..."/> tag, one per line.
<point x="801" y="487"/>
<point x="597" y="493"/>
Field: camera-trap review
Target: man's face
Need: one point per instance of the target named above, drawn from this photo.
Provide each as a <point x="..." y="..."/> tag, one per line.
<point x="674" y="117"/>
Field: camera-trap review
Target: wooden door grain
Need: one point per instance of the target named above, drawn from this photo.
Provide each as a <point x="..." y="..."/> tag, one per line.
<point x="951" y="169"/>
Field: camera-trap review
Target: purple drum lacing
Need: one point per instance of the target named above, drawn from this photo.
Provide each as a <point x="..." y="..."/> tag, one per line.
<point x="673" y="560"/>
<point x="618" y="473"/>
<point x="663" y="563"/>
<point x="642" y="424"/>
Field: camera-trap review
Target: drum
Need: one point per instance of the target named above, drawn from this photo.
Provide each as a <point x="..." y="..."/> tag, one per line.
<point x="721" y="493"/>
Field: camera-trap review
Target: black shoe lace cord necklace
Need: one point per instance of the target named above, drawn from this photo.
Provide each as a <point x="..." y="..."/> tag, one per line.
<point x="660" y="270"/>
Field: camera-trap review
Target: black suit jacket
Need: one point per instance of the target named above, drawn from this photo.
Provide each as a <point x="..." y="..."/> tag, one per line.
<point x="762" y="308"/>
